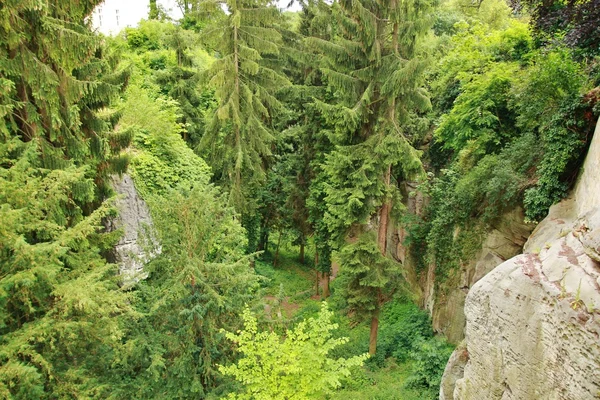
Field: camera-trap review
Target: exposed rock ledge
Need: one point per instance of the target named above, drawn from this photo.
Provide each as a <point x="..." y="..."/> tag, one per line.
<point x="533" y="323"/>
<point x="137" y="245"/>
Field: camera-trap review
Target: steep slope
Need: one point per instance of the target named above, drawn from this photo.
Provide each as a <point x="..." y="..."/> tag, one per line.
<point x="533" y="323"/>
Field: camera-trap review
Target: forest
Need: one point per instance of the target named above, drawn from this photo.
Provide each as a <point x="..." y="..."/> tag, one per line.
<point x="279" y="154"/>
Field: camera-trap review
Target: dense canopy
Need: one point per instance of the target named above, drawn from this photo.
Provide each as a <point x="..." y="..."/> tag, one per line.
<point x="354" y="152"/>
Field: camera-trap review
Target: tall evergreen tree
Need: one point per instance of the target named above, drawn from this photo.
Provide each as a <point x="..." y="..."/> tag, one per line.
<point x="153" y="14"/>
<point x="239" y="135"/>
<point x="372" y="69"/>
<point x="58" y="295"/>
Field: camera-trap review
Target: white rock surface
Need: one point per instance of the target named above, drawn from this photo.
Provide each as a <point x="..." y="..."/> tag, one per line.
<point x="533" y="323"/>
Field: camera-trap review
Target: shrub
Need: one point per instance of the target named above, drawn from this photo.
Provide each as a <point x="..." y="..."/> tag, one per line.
<point x="431" y="357"/>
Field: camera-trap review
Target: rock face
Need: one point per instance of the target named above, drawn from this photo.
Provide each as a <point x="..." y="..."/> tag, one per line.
<point x="533" y="323"/>
<point x="446" y="302"/>
<point x="137" y="245"/>
<point x="446" y="305"/>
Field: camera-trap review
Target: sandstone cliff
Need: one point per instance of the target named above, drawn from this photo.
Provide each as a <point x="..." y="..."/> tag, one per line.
<point x="445" y="302"/>
<point x="533" y="323"/>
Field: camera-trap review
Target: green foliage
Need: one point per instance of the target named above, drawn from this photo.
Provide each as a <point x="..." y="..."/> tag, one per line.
<point x="290" y="275"/>
<point x="320" y="162"/>
<point x="381" y="384"/>
<point x="239" y="134"/>
<point x="430" y="360"/>
<point x="371" y="275"/>
<point x="295" y="366"/>
<point x="166" y="60"/>
<point x="472" y="50"/>
<point x="511" y="129"/>
<point x="409" y="359"/>
<point x="374" y="89"/>
<point x="403" y="327"/>
<point x="60" y="304"/>
<point x="480" y="121"/>
<point x="551" y="104"/>
<point x="161" y="161"/>
<point x="58" y="296"/>
<point x="196" y="286"/>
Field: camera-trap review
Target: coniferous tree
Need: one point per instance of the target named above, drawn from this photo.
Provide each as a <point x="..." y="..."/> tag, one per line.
<point x="240" y="134"/>
<point x="59" y="301"/>
<point x="153" y="14"/>
<point x="181" y="82"/>
<point x="375" y="76"/>
<point x="310" y="139"/>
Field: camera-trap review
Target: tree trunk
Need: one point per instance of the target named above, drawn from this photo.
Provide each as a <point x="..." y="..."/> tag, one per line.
<point x="374" y="329"/>
<point x="276" y="258"/>
<point x="302" y="251"/>
<point x="326" y="285"/>
<point x="266" y="249"/>
<point x="384" y="217"/>
<point x="317" y="280"/>
<point x="264" y="235"/>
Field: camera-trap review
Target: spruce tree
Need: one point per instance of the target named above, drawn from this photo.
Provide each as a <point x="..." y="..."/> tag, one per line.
<point x="239" y="135"/>
<point x="309" y="140"/>
<point x="59" y="301"/>
<point x="375" y="75"/>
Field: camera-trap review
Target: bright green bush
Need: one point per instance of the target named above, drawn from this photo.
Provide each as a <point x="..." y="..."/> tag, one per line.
<point x="297" y="365"/>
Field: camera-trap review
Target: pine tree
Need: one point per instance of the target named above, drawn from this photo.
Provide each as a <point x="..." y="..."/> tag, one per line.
<point x="59" y="301"/>
<point x="239" y="135"/>
<point x="372" y="69"/>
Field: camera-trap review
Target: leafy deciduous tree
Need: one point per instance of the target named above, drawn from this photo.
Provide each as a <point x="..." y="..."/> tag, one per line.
<point x="297" y="366"/>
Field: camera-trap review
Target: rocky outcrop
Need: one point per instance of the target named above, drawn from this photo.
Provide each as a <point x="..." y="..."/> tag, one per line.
<point x="446" y="301"/>
<point x="137" y="244"/>
<point x="533" y="323"/>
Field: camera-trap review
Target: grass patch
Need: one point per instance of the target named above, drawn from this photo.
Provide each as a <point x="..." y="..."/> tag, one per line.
<point x="292" y="276"/>
<point x="386" y="383"/>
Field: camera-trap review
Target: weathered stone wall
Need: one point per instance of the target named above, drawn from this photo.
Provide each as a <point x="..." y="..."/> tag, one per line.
<point x="533" y="323"/>
<point x="446" y="302"/>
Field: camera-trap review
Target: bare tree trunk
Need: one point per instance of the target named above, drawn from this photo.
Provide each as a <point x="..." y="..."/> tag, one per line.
<point x="326" y="276"/>
<point x="266" y="249"/>
<point x="276" y="258"/>
<point x="384" y="217"/>
<point x="374" y="329"/>
<point x="264" y="235"/>
<point x="317" y="280"/>
<point x="302" y="251"/>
